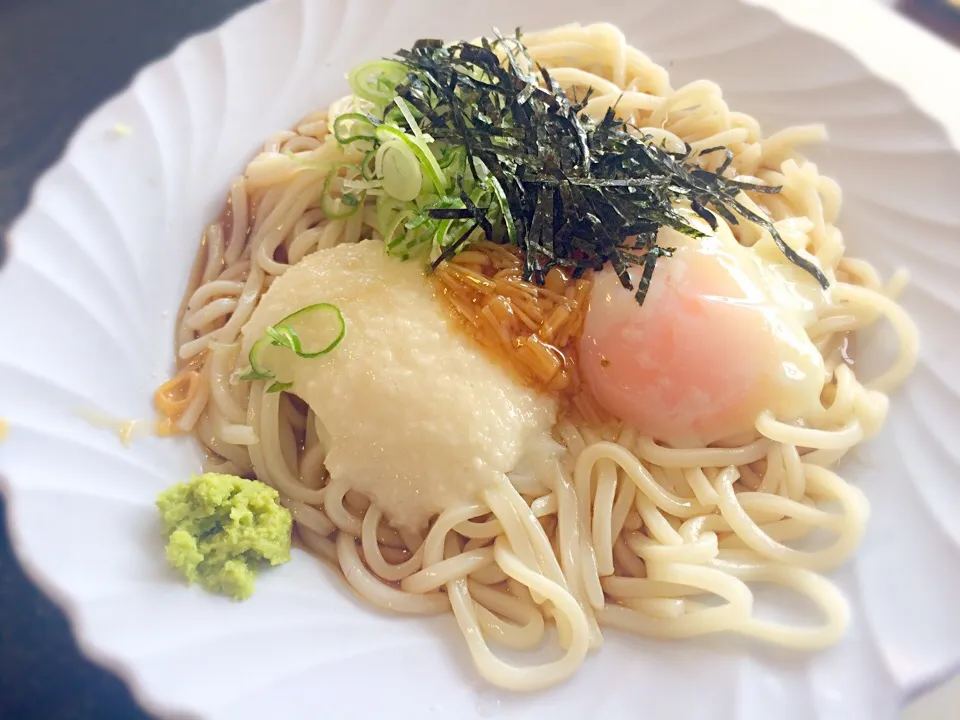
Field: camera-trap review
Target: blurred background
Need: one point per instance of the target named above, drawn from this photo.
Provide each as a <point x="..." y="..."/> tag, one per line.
<point x="59" y="59"/>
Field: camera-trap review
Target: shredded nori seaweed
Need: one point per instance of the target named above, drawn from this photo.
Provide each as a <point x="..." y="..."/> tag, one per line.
<point x="581" y="193"/>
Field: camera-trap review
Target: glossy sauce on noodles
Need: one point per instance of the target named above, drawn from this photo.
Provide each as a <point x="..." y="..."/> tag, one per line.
<point x="530" y="330"/>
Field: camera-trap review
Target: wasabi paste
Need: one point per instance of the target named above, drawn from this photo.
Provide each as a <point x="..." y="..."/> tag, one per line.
<point x="221" y="529"/>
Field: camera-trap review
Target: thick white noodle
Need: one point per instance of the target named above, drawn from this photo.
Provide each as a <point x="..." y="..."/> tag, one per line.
<point x="622" y="531"/>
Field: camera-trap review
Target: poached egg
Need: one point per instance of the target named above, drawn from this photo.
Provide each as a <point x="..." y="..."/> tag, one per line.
<point x="720" y="338"/>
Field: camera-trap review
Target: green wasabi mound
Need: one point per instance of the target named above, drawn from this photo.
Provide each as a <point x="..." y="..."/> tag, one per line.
<point x="222" y="529"/>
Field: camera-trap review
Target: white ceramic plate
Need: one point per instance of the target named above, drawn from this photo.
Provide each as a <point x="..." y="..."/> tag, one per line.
<point x="100" y="259"/>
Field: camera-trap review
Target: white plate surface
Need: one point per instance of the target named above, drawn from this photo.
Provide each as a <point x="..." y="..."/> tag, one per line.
<point x="99" y="261"/>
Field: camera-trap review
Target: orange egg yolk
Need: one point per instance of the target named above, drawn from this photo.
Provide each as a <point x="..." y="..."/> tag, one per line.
<point x="705" y="354"/>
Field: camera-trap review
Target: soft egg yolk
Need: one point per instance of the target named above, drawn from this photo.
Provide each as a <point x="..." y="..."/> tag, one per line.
<point x="714" y="344"/>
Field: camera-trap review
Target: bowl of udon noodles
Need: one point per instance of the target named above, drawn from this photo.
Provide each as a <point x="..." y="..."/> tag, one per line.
<point x="601" y="353"/>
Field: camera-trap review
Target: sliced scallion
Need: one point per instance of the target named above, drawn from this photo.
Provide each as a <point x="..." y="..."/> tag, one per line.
<point x="322" y="323"/>
<point x="376" y="81"/>
<point x="408" y="116"/>
<point x="429" y="165"/>
<point x="353" y="127"/>
<point x="337" y="208"/>
<point x="399" y="170"/>
<point x="367" y="165"/>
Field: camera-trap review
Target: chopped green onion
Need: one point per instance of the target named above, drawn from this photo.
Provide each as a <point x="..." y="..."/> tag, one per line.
<point x="325" y="312"/>
<point x="252" y="374"/>
<point x="367" y="165"/>
<point x="284" y="336"/>
<point x="323" y="319"/>
<point x="399" y="169"/>
<point x="449" y="156"/>
<point x="398" y="222"/>
<point x="408" y="116"/>
<point x="431" y="168"/>
<point x="362" y="185"/>
<point x="346" y="128"/>
<point x="376" y="81"/>
<point x="337" y="208"/>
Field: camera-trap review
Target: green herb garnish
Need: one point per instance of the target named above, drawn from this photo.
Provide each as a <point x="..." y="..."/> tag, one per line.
<point x="323" y="321"/>
<point x="520" y="163"/>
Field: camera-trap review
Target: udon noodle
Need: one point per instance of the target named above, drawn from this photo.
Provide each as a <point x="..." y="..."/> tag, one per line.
<point x="623" y="531"/>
